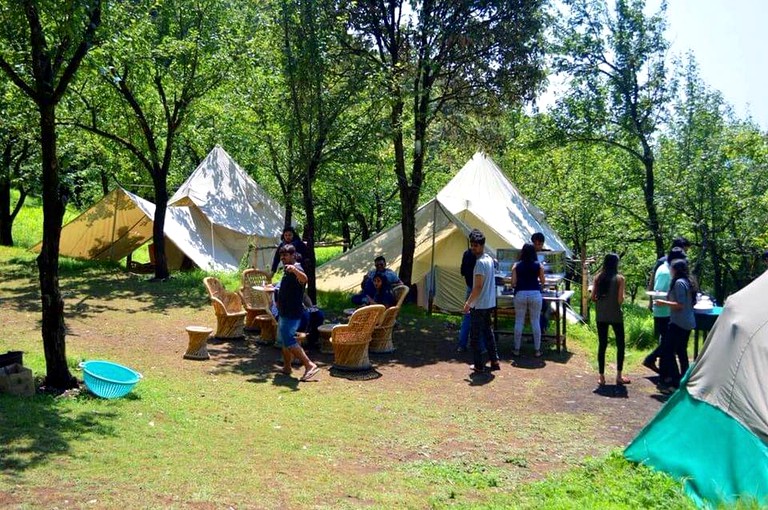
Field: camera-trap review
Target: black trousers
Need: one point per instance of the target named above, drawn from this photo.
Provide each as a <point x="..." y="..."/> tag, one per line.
<point x="674" y="344"/>
<point x="602" y="342"/>
<point x="660" y="326"/>
<point x="481" y="326"/>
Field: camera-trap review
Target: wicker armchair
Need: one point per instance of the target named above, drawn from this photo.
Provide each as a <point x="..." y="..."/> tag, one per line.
<point x="228" y="307"/>
<point x="253" y="306"/>
<point x="400" y="292"/>
<point x="381" y="339"/>
<point x="350" y="341"/>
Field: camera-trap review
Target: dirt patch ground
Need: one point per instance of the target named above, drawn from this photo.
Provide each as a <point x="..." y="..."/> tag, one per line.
<point x="562" y="382"/>
<point x="536" y="405"/>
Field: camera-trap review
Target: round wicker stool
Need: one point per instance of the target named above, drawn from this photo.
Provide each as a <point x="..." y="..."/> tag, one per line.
<point x="268" y="329"/>
<point x="198" y="337"/>
<point x="325" y="338"/>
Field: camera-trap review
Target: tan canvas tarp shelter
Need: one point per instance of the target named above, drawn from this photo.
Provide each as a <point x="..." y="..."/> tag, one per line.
<point x="212" y="219"/>
<point x="482" y="197"/>
<point x="439" y="237"/>
<point x="479" y="196"/>
<point x="236" y="208"/>
<point x="121" y="222"/>
<point x="712" y="434"/>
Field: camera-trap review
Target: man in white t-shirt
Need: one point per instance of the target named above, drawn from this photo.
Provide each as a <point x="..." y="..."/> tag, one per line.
<point x="480" y="304"/>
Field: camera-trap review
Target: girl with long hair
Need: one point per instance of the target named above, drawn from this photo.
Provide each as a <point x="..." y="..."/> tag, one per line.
<point x="527" y="279"/>
<point x="680" y="299"/>
<point x="608" y="296"/>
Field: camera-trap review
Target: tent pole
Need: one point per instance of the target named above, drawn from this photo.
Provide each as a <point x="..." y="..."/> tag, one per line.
<point x="114" y="228"/>
<point x="431" y="299"/>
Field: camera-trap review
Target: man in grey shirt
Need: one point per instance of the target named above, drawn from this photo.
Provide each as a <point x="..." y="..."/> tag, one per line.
<point x="480" y="304"/>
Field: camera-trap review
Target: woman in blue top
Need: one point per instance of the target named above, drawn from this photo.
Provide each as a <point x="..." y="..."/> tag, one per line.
<point x="527" y="279"/>
<point x="383" y="294"/>
<point x="680" y="299"/>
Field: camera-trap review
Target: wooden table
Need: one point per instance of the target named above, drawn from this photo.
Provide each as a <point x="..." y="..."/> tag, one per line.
<point x="264" y="319"/>
<point x="506" y="302"/>
<point x="325" y="338"/>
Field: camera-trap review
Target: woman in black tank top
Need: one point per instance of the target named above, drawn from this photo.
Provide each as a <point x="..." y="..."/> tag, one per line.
<point x="608" y="295"/>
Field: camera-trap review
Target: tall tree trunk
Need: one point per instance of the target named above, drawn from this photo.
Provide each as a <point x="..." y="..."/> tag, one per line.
<point x="379" y="213"/>
<point x="718" y="273"/>
<point x="104" y="183"/>
<point x="158" y="227"/>
<point x="649" y="194"/>
<point x="288" y="211"/>
<point x="362" y="222"/>
<point x="407" y="208"/>
<point x="6" y="225"/>
<point x="57" y="374"/>
<point x="346" y="235"/>
<point x="309" y="235"/>
<point x="408" y="204"/>
<point x="6" y="222"/>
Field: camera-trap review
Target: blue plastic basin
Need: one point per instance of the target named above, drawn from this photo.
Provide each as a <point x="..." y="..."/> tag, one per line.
<point x="109" y="380"/>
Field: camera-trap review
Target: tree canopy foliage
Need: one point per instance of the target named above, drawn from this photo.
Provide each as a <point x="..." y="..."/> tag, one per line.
<point x="354" y="113"/>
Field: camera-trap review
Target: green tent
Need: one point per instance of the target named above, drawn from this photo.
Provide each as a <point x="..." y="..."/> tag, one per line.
<point x="712" y="434"/>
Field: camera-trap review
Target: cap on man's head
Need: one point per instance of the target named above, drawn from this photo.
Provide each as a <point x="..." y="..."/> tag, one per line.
<point x="288" y="248"/>
<point x="681" y="242"/>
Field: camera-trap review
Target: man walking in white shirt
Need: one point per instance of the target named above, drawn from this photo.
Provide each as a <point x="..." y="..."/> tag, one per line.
<point x="480" y="304"/>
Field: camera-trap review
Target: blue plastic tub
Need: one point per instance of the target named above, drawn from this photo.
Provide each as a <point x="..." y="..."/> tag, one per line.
<point x="107" y="379"/>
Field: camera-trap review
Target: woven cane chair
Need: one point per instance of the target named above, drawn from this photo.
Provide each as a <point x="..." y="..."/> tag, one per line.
<point x="350" y="341"/>
<point x="381" y="338"/>
<point x="252" y="278"/>
<point x="228" y="306"/>
<point x="400" y="292"/>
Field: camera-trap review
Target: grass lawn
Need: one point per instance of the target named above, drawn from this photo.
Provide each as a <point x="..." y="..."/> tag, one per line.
<point x="231" y="432"/>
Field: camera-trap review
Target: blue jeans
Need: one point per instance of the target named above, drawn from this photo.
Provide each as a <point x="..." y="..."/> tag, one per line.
<point x="286" y="332"/>
<point x="528" y="301"/>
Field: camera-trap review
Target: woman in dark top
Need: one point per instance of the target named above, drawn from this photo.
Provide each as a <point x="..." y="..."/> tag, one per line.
<point x="608" y="295"/>
<point x="289" y="236"/>
<point x="468" y="260"/>
<point x="527" y="279"/>
<point x="681" y="298"/>
<point x="383" y="294"/>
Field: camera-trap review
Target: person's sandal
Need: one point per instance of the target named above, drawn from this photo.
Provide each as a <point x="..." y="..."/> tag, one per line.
<point x="537" y="354"/>
<point x="621" y="381"/>
<point x="309" y="374"/>
<point x="601" y="380"/>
